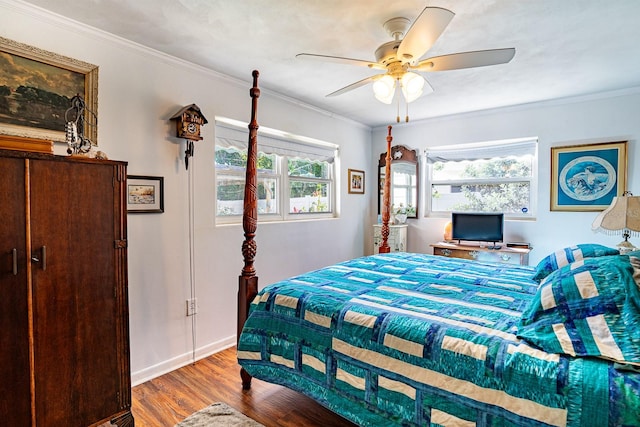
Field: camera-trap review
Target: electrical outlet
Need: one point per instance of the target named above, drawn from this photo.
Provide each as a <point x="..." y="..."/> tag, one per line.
<point x="192" y="306"/>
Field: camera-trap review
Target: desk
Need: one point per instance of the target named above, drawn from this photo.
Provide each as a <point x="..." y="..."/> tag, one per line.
<point x="514" y="255"/>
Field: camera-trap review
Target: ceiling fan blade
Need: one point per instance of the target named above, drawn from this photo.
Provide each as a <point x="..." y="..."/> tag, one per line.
<point x="457" y="61"/>
<point x="423" y="33"/>
<point x="427" y="89"/>
<point x="356" y="85"/>
<point x="340" y="60"/>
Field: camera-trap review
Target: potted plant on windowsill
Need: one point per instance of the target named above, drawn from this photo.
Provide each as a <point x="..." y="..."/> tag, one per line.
<point x="402" y="213"/>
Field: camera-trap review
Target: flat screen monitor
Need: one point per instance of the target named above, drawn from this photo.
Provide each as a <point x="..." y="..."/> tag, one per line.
<point x="482" y="227"/>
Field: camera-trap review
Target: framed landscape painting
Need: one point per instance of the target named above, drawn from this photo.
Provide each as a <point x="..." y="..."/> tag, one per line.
<point x="145" y="194"/>
<point x="587" y="177"/>
<point x="36" y="87"/>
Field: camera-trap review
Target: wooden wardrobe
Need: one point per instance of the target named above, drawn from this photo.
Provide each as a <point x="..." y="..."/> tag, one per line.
<point x="64" y="321"/>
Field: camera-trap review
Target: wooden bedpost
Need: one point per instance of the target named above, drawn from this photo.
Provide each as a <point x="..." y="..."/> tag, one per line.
<point x="248" y="281"/>
<point x="386" y="199"/>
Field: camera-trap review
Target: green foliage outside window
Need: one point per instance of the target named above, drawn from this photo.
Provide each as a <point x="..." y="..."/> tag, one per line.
<point x="230" y="158"/>
<point x="307" y="168"/>
<point x="506" y="197"/>
<point x="309" y="183"/>
<point x="485" y="185"/>
<point x="498" y="168"/>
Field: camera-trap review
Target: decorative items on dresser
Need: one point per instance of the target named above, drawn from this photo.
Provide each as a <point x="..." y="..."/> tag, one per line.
<point x="510" y="254"/>
<point x="397" y="237"/>
<point x="64" y="345"/>
<point x="76" y="123"/>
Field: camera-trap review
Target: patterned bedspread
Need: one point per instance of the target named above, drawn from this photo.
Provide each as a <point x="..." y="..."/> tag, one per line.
<point x="419" y="340"/>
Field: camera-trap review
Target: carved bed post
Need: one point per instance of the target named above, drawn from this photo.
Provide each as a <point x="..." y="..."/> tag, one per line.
<point x="248" y="281"/>
<point x="386" y="199"/>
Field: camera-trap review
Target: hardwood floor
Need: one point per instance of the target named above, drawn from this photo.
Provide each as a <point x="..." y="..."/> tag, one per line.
<point x="167" y="400"/>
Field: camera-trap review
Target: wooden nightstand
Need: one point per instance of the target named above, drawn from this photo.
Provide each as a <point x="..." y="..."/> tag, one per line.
<point x="508" y="255"/>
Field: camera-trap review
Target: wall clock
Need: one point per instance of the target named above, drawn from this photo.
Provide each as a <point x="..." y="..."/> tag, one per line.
<point x="188" y="122"/>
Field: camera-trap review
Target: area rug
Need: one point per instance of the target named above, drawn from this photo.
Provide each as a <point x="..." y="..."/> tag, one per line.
<point x="218" y="415"/>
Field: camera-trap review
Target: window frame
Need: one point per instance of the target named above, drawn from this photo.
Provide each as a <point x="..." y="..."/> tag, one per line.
<point x="309" y="215"/>
<point x="493" y="147"/>
<point x="281" y="175"/>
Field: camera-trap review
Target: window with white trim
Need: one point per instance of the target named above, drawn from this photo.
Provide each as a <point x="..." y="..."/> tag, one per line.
<point x="295" y="174"/>
<point x="499" y="176"/>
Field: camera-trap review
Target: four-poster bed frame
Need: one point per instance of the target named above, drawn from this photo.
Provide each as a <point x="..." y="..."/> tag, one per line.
<point x="415" y="339"/>
<point x="248" y="281"/>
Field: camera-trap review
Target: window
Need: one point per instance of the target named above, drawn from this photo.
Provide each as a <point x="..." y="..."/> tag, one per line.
<point x="485" y="177"/>
<point x="295" y="174"/>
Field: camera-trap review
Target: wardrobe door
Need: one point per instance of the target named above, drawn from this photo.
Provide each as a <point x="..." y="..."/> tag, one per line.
<point x="76" y="360"/>
<point x="15" y="398"/>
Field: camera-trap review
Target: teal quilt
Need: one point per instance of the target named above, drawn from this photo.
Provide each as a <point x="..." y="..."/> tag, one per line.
<point x="418" y="340"/>
<point x="590" y="307"/>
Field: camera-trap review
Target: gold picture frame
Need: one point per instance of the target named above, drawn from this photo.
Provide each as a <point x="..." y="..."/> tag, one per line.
<point x="36" y="67"/>
<point x="356" y="181"/>
<point x="587" y="177"/>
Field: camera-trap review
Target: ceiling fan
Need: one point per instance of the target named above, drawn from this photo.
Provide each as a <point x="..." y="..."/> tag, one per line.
<point x="401" y="57"/>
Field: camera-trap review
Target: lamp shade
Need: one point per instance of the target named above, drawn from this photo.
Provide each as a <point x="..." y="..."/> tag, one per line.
<point x="412" y="85"/>
<point x="384" y="89"/>
<point x="622" y="214"/>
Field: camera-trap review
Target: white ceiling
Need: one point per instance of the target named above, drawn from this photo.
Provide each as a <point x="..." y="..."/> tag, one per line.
<point x="564" y="48"/>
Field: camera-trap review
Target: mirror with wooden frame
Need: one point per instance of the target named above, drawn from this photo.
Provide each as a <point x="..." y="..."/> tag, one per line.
<point x="404" y="180"/>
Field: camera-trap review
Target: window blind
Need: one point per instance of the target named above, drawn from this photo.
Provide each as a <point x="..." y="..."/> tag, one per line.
<point x="234" y="136"/>
<point x="483" y="150"/>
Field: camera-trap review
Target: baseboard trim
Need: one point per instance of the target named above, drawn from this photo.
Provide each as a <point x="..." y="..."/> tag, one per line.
<point x="177" y="362"/>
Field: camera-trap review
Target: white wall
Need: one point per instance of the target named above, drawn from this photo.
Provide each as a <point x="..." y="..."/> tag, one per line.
<point x="139" y="90"/>
<point x="603" y="118"/>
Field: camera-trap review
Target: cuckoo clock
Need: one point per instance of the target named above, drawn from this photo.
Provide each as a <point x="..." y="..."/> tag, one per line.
<point x="188" y="122"/>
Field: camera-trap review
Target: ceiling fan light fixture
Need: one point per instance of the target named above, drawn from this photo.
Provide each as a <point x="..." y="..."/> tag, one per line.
<point x="412" y="85"/>
<point x="383" y="89"/>
<point x="411" y="41"/>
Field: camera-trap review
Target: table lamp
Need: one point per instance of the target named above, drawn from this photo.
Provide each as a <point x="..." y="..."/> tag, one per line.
<point x="621" y="217"/>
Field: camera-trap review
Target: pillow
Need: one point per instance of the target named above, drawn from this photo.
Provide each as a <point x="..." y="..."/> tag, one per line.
<point x="568" y="255"/>
<point x="588" y="308"/>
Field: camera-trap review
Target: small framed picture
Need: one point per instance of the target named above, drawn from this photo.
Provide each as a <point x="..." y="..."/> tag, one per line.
<point x="356" y="181"/>
<point x="145" y="194"/>
<point x="587" y="177"/>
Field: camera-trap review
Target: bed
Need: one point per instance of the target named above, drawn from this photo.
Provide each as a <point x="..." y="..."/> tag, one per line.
<point x="413" y="339"/>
